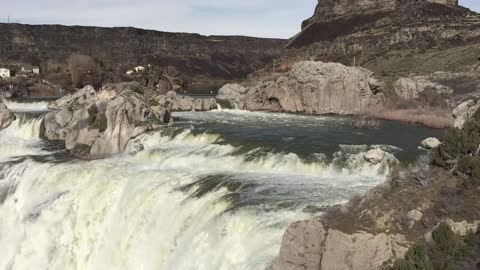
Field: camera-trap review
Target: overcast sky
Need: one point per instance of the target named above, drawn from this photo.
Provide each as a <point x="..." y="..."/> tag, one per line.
<point x="261" y="18"/>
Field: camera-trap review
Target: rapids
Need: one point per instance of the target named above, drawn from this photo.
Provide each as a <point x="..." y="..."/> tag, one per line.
<point x="215" y="190"/>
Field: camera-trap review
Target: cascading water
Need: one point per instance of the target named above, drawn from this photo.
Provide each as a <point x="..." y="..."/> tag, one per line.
<point x="25" y="106"/>
<point x="191" y="196"/>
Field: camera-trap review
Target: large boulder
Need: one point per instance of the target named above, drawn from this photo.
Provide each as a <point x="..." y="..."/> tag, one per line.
<point x="465" y="111"/>
<point x="98" y="124"/>
<point x="375" y="156"/>
<point x="310" y="245"/>
<point x="431" y="143"/>
<point x="6" y="116"/>
<point x="311" y="87"/>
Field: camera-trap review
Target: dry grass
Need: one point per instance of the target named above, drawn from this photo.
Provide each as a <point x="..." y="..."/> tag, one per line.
<point x="429" y="118"/>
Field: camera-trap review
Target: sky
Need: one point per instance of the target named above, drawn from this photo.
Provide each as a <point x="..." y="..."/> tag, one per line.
<point x="260" y="18"/>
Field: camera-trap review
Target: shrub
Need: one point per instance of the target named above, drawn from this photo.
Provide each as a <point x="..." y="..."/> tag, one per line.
<point x="460" y="151"/>
<point x="448" y="251"/>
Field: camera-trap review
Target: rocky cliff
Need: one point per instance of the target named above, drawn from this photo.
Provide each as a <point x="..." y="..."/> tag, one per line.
<point x="310" y="87"/>
<point x="208" y="57"/>
<point x="391" y="37"/>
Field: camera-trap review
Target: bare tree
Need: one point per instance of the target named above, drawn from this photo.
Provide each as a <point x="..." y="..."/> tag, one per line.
<point x="79" y="66"/>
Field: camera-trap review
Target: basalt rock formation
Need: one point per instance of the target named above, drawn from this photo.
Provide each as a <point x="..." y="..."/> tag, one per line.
<point x="310" y="87"/>
<point x="393" y="38"/>
<point x="194" y="55"/>
<point x="98" y="124"/>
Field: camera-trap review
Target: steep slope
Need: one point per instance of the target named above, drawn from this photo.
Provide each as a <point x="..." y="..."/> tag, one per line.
<point x="208" y="57"/>
<point x="391" y="37"/>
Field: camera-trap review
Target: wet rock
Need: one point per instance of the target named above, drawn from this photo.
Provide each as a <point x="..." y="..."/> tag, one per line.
<point x="6" y="116"/>
<point x="94" y="125"/>
<point x="465" y="111"/>
<point x="431" y="143"/>
<point x="375" y="156"/>
<point x="310" y="87"/>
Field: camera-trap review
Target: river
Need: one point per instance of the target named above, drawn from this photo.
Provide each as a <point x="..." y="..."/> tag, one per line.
<point x="215" y="190"/>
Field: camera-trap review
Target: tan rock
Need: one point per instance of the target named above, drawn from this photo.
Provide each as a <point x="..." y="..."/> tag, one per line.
<point x="6" y="116"/>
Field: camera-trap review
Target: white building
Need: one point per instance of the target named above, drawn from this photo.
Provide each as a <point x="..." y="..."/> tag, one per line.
<point x="31" y="69"/>
<point x="139" y="69"/>
<point x="129" y="72"/>
<point x="5" y="73"/>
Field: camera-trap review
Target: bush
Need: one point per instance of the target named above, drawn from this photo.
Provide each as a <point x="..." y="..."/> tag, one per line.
<point x="460" y="151"/>
<point x="448" y="251"/>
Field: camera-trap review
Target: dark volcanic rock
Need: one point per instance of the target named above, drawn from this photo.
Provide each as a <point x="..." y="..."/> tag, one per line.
<point x="391" y="37"/>
<point x="214" y="57"/>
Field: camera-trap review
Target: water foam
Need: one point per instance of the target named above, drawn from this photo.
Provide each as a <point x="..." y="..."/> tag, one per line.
<point x="21" y="138"/>
<point x="203" y="152"/>
<point x="134" y="211"/>
<point x="35" y="106"/>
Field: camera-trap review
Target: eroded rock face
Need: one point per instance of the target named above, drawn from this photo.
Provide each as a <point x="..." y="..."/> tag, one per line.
<point x="186" y="103"/>
<point x="329" y="9"/>
<point x="6" y="116"/>
<point x="410" y="88"/>
<point x="377" y="33"/>
<point x="310" y="87"/>
<point x="310" y="245"/>
<point x="464" y="111"/>
<point x="98" y="124"/>
<point x="234" y="94"/>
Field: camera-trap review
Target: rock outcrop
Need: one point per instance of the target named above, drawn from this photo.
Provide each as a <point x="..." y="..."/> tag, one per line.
<point x="98" y="124"/>
<point x="310" y="245"/>
<point x="411" y="88"/>
<point x="310" y="87"/>
<point x="186" y="103"/>
<point x="465" y="111"/>
<point x="446" y="84"/>
<point x="6" y="116"/>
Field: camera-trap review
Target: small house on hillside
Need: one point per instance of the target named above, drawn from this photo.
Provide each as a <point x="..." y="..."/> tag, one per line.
<point x="28" y="69"/>
<point x="5" y="73"/>
<point x="139" y="69"/>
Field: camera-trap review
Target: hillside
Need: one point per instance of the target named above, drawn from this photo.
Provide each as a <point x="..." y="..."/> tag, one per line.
<point x="392" y="37"/>
<point x="119" y="49"/>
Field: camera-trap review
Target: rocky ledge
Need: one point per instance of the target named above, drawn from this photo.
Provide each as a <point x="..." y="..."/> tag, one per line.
<point x="309" y="87"/>
<point x="97" y="124"/>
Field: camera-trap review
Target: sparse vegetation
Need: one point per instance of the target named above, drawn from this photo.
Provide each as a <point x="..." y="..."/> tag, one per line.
<point x="81" y="67"/>
<point x="429" y="118"/>
<point x="460" y="151"/>
<point x="447" y="251"/>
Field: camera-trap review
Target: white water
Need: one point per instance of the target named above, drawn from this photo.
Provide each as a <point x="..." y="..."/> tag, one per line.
<point x="21" y="139"/>
<point x="134" y="212"/>
<point x="27" y="106"/>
